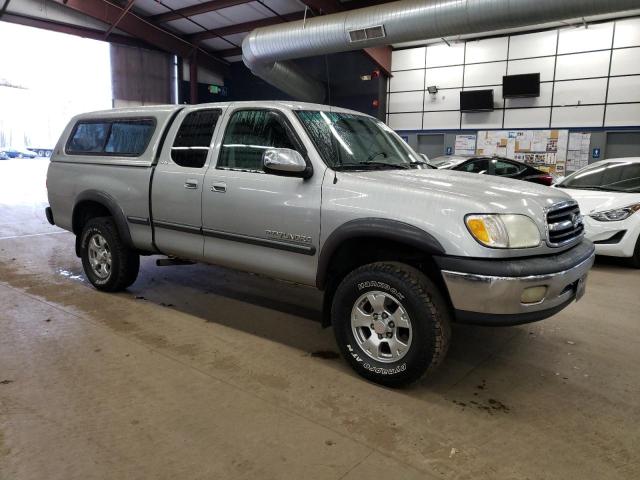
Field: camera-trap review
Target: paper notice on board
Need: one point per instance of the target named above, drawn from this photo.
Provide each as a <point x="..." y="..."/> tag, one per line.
<point x="465" y="145"/>
<point x="578" y="151"/>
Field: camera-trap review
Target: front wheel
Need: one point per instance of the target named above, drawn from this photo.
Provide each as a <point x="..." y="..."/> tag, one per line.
<point x="108" y="263"/>
<point x="635" y="259"/>
<point x="391" y="323"/>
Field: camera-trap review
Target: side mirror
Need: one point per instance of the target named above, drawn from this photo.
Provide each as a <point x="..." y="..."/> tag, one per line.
<point x="285" y="162"/>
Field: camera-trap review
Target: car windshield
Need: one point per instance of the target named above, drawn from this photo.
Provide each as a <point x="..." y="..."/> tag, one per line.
<point x="612" y="177"/>
<point x="357" y="142"/>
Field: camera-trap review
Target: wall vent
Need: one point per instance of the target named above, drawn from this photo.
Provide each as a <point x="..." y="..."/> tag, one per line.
<point x="368" y="33"/>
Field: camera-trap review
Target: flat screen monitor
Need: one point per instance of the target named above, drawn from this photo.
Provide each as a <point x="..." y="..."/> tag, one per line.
<point x="476" y="101"/>
<point x="525" y="85"/>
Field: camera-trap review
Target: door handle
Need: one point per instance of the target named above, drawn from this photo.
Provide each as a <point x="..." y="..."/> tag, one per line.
<point x="219" y="187"/>
<point x="191" y="184"/>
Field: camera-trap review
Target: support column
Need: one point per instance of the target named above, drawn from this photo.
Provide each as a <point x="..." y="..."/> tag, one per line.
<point x="193" y="79"/>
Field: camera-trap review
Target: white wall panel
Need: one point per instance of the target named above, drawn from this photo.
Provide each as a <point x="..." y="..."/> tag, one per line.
<point x="408" y="59"/>
<point x="498" y="101"/>
<point x="582" y="65"/>
<point x="596" y="37"/>
<point x="589" y="116"/>
<point x="624" y="89"/>
<point x="482" y="119"/>
<point x="544" y="66"/>
<point x="443" y="100"/>
<point x="405" y="121"/>
<point x="622" y="115"/>
<point x="533" y="44"/>
<point x="489" y="50"/>
<point x="543" y="100"/>
<point x="581" y="87"/>
<point x="484" y="74"/>
<point x="625" y="61"/>
<point x="445" y="77"/>
<point x="577" y="92"/>
<point x="527" y="118"/>
<point x="441" y="120"/>
<point x="405" y="102"/>
<point x="627" y="33"/>
<point x="408" y="80"/>
<point x="443" y="55"/>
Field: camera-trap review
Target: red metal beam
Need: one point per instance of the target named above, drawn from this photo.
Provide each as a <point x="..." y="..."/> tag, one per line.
<point x="229" y="52"/>
<point x="76" y="30"/>
<point x="245" y="27"/>
<point x="108" y="12"/>
<point x="197" y="9"/>
<point x="115" y="24"/>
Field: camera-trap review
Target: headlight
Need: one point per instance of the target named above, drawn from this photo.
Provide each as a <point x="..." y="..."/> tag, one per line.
<point x="616" y="214"/>
<point x="503" y="231"/>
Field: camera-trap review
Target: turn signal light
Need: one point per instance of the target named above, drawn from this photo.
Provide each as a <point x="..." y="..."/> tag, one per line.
<point x="478" y="229"/>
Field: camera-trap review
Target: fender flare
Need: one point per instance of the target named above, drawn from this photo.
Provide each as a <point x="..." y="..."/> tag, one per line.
<point x="116" y="212"/>
<point x="382" y="228"/>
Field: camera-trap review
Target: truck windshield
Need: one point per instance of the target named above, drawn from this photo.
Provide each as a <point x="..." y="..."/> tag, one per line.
<point x="355" y="142"/>
<point x="611" y="177"/>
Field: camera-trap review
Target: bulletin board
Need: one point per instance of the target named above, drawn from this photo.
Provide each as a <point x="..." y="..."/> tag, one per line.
<point x="578" y="151"/>
<point x="543" y="149"/>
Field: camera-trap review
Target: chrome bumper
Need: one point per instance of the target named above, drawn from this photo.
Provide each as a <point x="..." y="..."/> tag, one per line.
<point x="497" y="300"/>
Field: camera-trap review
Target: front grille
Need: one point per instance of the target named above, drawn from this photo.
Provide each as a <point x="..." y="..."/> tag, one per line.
<point x="564" y="223"/>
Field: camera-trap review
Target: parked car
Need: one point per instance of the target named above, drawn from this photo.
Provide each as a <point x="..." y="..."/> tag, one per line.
<point x="3" y="155"/>
<point x="325" y="197"/>
<point x="498" y="166"/>
<point x="20" y="153"/>
<point x="608" y="193"/>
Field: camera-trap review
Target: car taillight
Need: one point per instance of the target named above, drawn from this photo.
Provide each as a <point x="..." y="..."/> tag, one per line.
<point x="546" y="180"/>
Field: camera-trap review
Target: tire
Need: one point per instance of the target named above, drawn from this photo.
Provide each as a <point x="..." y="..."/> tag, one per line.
<point x="108" y="263"/>
<point x="635" y="260"/>
<point x="399" y="291"/>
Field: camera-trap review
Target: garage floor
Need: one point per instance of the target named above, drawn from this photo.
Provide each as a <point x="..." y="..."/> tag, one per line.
<point x="198" y="372"/>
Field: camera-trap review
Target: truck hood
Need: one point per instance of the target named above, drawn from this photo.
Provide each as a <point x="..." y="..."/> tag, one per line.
<point x="592" y="201"/>
<point x="490" y="194"/>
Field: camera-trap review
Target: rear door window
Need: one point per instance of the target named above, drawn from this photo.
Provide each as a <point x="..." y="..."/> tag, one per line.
<point x="193" y="140"/>
<point x="117" y="137"/>
<point x="502" y="168"/>
<point x="480" y="165"/>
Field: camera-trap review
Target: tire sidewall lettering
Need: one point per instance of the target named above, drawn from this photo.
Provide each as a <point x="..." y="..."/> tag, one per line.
<point x="381" y="285"/>
<point x="372" y="368"/>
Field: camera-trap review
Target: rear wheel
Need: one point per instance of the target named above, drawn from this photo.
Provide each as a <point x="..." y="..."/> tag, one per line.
<point x="108" y="263"/>
<point x="391" y="323"/>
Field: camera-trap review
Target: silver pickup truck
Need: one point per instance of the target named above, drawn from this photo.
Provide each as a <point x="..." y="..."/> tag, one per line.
<point x="325" y="197"/>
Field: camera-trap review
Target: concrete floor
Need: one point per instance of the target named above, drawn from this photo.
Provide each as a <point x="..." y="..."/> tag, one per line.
<point x="198" y="372"/>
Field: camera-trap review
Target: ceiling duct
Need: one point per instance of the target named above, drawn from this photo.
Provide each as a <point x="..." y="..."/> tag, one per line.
<point x="266" y="51"/>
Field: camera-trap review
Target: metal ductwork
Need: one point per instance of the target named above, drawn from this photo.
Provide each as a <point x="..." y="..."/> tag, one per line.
<point x="267" y="51"/>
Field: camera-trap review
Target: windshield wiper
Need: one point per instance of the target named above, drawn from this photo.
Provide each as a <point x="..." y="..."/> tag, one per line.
<point x="386" y="165"/>
<point x="371" y="166"/>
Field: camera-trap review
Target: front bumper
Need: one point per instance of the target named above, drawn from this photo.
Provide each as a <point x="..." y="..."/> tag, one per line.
<point x="616" y="239"/>
<point x="490" y="291"/>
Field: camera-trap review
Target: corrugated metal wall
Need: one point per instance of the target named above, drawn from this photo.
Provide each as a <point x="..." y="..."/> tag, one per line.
<point x="141" y="77"/>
